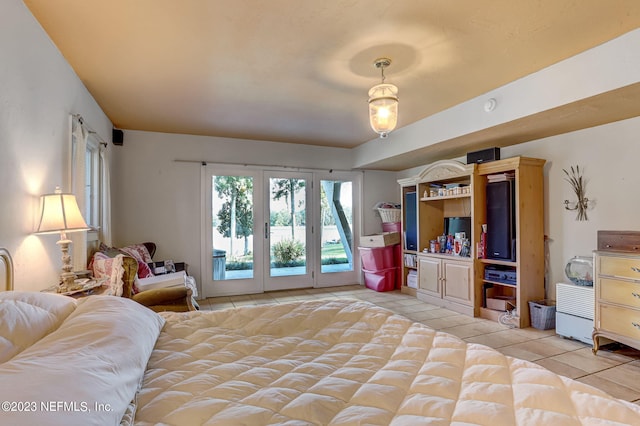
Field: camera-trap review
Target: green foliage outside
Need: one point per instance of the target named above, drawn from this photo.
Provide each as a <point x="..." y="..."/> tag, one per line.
<point x="287" y="189"/>
<point x="286" y="252"/>
<point x="332" y="254"/>
<point x="235" y="217"/>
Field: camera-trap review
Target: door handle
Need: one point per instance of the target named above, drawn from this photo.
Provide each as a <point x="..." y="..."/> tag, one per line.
<point x="266" y="230"/>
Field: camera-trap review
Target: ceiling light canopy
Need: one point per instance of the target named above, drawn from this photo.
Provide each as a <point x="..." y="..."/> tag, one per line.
<point x="383" y="103"/>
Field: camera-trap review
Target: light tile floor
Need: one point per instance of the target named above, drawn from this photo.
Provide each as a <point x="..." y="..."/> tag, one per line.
<point x="614" y="369"/>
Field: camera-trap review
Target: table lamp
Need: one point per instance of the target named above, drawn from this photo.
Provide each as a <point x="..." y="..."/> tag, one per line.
<point x="60" y="213"/>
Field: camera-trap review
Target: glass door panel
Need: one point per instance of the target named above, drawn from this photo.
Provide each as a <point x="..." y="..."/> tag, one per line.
<point x="232" y="217"/>
<point x="288" y="236"/>
<point x="336" y="224"/>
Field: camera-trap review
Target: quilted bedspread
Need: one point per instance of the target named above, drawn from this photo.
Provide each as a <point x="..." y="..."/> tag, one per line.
<point x="347" y="362"/>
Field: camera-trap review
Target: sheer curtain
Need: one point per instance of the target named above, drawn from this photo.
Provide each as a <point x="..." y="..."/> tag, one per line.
<point x="79" y="137"/>
<point x="105" y="195"/>
<point x="100" y="179"/>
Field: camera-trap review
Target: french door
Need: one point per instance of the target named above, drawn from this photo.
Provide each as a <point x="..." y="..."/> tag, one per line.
<point x="288" y="230"/>
<point x="267" y="230"/>
<point x="231" y="231"/>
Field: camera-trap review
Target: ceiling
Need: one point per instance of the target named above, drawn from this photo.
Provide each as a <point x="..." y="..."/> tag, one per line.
<point x="298" y="71"/>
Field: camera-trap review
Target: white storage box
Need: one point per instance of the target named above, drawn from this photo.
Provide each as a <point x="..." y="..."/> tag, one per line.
<point x="380" y="240"/>
<point x="412" y="279"/>
<point x="162" y="281"/>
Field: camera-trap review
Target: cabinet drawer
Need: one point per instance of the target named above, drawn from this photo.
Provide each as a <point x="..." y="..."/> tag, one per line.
<point x="623" y="267"/>
<point x="622" y="292"/>
<point x="623" y="321"/>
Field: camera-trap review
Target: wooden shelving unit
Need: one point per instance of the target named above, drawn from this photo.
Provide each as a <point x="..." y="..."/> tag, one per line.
<point x="444" y="279"/>
<point x="529" y="237"/>
<point x="458" y="282"/>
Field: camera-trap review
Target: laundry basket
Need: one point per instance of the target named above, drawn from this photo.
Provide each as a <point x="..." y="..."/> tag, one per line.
<point x="390" y="215"/>
<point x="543" y="314"/>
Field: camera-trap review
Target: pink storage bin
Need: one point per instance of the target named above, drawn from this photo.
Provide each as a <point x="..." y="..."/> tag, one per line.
<point x="391" y="227"/>
<point x="383" y="280"/>
<point x="397" y="252"/>
<point x="377" y="258"/>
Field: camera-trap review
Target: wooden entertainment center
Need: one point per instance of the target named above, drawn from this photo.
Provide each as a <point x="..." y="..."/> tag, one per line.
<point x="451" y="189"/>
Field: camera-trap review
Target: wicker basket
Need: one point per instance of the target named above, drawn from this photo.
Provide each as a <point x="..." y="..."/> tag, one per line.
<point x="390" y="215"/>
<point x="543" y="314"/>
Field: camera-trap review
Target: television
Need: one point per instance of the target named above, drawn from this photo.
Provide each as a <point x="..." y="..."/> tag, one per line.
<point x="453" y="225"/>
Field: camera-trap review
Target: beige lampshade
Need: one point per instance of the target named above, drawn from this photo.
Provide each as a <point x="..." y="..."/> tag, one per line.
<point x="60" y="213"/>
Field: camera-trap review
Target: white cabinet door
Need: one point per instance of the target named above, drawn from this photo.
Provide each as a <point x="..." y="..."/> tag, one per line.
<point x="457" y="282"/>
<point x="429" y="275"/>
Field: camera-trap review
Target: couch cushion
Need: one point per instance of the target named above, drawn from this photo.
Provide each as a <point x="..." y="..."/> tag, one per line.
<point x="140" y="253"/>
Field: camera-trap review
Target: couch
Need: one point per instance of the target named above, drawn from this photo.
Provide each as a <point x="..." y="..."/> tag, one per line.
<point x="129" y="264"/>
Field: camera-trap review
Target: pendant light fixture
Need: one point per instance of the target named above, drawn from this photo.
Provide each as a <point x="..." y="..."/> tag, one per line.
<point x="383" y="103"/>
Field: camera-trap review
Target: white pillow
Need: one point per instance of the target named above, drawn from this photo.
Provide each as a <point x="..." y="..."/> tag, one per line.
<point x="94" y="362"/>
<point x="26" y="317"/>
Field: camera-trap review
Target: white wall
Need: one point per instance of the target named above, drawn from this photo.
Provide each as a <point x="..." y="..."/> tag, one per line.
<point x="38" y="91"/>
<point x="609" y="157"/>
<point x="157" y="199"/>
<point x="378" y="186"/>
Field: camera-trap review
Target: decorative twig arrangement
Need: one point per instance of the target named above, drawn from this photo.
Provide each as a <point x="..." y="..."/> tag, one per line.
<point x="578" y="185"/>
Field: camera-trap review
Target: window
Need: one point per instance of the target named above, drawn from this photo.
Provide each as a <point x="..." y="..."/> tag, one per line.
<point x="89" y="181"/>
<point x="92" y="192"/>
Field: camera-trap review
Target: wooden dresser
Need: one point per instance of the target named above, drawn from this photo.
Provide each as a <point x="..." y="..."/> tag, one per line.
<point x="617" y="294"/>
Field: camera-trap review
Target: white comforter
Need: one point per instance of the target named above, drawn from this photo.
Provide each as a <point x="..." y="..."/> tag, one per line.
<point x="321" y="363"/>
<point x="341" y="362"/>
<point x="71" y="364"/>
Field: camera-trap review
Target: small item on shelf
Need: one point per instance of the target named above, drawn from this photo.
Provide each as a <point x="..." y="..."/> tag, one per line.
<point x="501" y="274"/>
<point x="482" y="250"/>
<point x="83" y="274"/>
<point x="412" y="279"/>
<point x="442" y="242"/>
<point x="458" y="244"/>
<point x="457" y="247"/>
<point x="466" y="248"/>
<point x="500" y="177"/>
<point x="579" y="270"/>
<point x="410" y="260"/>
<point x="449" y="244"/>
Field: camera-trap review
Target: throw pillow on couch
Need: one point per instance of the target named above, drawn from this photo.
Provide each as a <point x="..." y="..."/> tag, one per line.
<point x="105" y="261"/>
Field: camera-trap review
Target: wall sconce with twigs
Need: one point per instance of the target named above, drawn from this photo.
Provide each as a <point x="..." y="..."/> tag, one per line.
<point x="578" y="185"/>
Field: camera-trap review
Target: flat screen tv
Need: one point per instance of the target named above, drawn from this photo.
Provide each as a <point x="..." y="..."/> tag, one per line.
<point x="453" y="225"/>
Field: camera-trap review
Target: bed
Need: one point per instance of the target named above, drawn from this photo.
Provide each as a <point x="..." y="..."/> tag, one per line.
<point x="107" y="360"/>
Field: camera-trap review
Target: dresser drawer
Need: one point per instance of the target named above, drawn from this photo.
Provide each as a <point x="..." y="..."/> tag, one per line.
<point x="622" y="321"/>
<point x="621" y="292"/>
<point x="623" y="267"/>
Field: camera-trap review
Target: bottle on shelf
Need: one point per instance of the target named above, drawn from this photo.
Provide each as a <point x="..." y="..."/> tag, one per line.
<point x="482" y="245"/>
